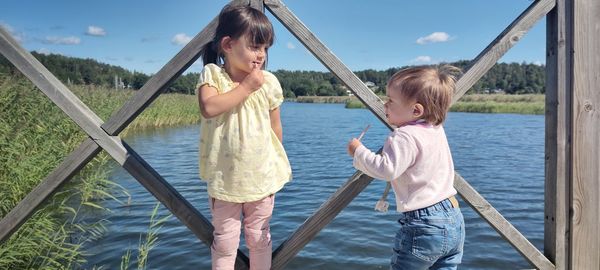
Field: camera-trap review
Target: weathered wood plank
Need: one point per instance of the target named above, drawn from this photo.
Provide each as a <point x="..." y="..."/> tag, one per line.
<point x="501" y="225"/>
<point x="257" y="4"/>
<point x="60" y="95"/>
<point x="323" y="216"/>
<point x="177" y="204"/>
<point x="118" y="122"/>
<point x="585" y="154"/>
<point x="558" y="109"/>
<point x="162" y="79"/>
<point x="53" y="182"/>
<point x="86" y="119"/>
<point x="124" y="155"/>
<point x="323" y="54"/>
<point x="302" y="236"/>
<point x="497" y="48"/>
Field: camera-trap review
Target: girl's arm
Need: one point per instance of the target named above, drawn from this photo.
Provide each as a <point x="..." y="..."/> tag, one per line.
<point x="213" y="104"/>
<point x="275" y="116"/>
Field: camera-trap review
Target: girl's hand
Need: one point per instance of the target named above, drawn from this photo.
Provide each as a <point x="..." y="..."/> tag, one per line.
<point x="254" y="80"/>
<point x="352" y="145"/>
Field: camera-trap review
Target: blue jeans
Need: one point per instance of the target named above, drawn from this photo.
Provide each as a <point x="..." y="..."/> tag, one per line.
<point x="429" y="238"/>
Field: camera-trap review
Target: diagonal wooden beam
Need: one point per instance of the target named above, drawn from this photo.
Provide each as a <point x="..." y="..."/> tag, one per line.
<point x="91" y="147"/>
<point x="13" y="220"/>
<point x="174" y="201"/>
<point x="321" y="218"/>
<point x="161" y="80"/>
<point x="86" y="151"/>
<point x="345" y="194"/>
<point x="481" y="65"/>
<point x="123" y="154"/>
<point x="499" y="46"/>
<point x="501" y="225"/>
<point x="323" y="54"/>
<point x="287" y="250"/>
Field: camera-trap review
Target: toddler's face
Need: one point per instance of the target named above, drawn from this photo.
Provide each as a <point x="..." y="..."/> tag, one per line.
<point x="398" y="110"/>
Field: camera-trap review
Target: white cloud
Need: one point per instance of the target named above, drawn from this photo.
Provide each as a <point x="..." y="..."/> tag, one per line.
<point x="6" y="27"/>
<point x="290" y="45"/>
<point x="422" y="59"/>
<point x="72" y="40"/>
<point x="538" y="62"/>
<point x="95" y="31"/>
<point x="44" y="51"/>
<point x="181" y="39"/>
<point x="434" y="38"/>
<point x="17" y="36"/>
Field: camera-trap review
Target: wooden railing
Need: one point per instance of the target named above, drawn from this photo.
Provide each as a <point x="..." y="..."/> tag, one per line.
<point x="105" y="135"/>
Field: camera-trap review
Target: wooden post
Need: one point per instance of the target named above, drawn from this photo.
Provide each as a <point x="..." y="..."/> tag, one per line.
<point x="508" y="38"/>
<point x="558" y="126"/>
<point x="583" y="36"/>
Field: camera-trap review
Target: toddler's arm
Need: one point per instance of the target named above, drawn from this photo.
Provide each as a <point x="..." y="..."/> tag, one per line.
<point x="398" y="153"/>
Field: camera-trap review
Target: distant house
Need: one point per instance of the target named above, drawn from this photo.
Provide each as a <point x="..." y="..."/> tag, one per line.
<point x="371" y="86"/>
<point x="494" y="91"/>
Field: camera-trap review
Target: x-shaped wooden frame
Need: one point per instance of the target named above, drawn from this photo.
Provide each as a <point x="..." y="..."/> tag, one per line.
<point x="105" y="135"/>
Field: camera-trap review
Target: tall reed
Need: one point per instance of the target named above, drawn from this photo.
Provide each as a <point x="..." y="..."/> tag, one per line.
<point x="35" y="136"/>
<point x="146" y="243"/>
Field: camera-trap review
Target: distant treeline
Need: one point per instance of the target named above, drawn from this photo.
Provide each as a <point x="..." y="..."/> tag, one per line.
<point x="511" y="78"/>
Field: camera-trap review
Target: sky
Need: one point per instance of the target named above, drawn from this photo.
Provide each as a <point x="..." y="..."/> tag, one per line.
<point x="377" y="34"/>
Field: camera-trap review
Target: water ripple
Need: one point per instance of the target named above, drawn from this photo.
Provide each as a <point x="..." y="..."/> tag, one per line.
<point x="501" y="155"/>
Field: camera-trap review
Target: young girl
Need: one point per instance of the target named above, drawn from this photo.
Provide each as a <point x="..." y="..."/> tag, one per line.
<point x="416" y="159"/>
<point x="241" y="155"/>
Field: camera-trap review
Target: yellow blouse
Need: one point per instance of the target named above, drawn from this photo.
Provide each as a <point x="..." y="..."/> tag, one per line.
<point x="241" y="158"/>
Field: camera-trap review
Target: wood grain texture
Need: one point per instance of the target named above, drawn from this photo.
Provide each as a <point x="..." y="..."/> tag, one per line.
<point x="558" y="126"/>
<point x="585" y="169"/>
<point x="90" y="123"/>
<point x="497" y="48"/>
<point x="293" y="245"/>
<point x="501" y="225"/>
<point x="323" y="54"/>
<point x="321" y="218"/>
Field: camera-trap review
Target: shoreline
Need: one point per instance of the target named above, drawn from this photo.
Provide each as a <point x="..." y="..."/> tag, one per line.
<point x="476" y="103"/>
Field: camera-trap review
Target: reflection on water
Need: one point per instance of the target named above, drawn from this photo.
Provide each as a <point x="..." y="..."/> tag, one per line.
<point x="501" y="155"/>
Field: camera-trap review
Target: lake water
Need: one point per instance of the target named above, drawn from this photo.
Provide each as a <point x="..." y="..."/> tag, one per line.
<point x="501" y="155"/>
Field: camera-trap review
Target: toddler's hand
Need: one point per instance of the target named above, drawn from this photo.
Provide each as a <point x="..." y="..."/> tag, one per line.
<point x="254" y="80"/>
<point x="352" y="145"/>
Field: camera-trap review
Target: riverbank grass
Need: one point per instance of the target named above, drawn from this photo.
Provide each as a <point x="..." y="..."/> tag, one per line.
<point x="35" y="136"/>
<point x="519" y="104"/>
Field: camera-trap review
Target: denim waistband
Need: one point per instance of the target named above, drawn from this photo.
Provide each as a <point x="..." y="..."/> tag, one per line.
<point x="443" y="205"/>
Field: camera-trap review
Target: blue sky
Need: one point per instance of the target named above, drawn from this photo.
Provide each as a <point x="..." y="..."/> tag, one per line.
<point x="378" y="34"/>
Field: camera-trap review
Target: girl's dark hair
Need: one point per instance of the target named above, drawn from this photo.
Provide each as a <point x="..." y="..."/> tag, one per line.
<point x="238" y="21"/>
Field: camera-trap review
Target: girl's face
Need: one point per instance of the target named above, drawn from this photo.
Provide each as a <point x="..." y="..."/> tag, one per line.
<point x="243" y="55"/>
<point x="399" y="110"/>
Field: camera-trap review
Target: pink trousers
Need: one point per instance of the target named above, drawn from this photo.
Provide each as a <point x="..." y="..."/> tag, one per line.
<point x="226" y="218"/>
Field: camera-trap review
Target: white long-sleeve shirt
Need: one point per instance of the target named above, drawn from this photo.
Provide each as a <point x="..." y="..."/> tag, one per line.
<point x="416" y="159"/>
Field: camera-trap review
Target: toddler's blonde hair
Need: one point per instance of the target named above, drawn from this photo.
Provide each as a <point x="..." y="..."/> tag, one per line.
<point x="432" y="87"/>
